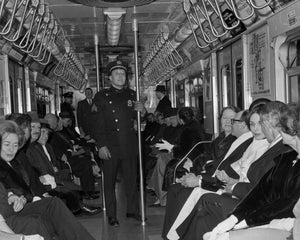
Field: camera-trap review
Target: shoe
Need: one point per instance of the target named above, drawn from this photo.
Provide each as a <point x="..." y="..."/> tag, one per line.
<point x="90" y="196"/>
<point x="112" y="221"/>
<point x="135" y="216"/>
<point x="155" y="205"/>
<point x="88" y="210"/>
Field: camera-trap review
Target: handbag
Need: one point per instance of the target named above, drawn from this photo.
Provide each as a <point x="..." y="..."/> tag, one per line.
<point x="169" y="173"/>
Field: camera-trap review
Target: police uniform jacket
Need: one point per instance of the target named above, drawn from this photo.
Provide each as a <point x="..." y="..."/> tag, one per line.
<point x="115" y="121"/>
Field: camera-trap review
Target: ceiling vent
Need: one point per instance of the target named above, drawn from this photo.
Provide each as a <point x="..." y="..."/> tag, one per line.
<point x="112" y="3"/>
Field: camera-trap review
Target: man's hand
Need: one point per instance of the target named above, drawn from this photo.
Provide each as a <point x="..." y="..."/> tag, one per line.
<point x="18" y="202"/>
<point x="190" y="180"/>
<point x="104" y="153"/>
<point x="139" y="107"/>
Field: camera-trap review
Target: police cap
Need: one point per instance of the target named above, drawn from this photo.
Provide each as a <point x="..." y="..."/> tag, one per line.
<point x="68" y="95"/>
<point x="116" y="65"/>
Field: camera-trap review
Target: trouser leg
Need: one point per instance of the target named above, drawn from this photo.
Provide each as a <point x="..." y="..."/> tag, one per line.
<point x="82" y="168"/>
<point x="29" y="225"/>
<point x="110" y="168"/>
<point x="129" y="169"/>
<point x="55" y="215"/>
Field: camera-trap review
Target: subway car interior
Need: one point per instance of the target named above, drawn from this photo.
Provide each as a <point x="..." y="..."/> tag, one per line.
<point x="207" y="55"/>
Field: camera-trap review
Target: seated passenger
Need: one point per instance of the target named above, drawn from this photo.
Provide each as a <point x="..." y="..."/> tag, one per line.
<point x="181" y="197"/>
<point x="276" y="194"/>
<point x="72" y="154"/>
<point x="42" y="158"/>
<point x="23" y="212"/>
<point x="171" y="134"/>
<point x="213" y="208"/>
<point x="192" y="132"/>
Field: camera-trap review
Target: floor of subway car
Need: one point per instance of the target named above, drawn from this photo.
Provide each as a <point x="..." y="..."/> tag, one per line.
<point x="129" y="229"/>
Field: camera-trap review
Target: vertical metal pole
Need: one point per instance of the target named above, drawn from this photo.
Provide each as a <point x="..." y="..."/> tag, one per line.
<point x="96" y="41"/>
<point x="135" y="30"/>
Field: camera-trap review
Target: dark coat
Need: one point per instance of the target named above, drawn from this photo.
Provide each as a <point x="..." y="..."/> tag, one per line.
<point x="22" y="165"/>
<point x="191" y="133"/>
<point x="275" y="195"/>
<point x="216" y="152"/>
<point x="13" y="181"/>
<point x="84" y="116"/>
<point x="115" y="121"/>
<point x="66" y="107"/>
<point x="259" y="168"/>
<point x="40" y="161"/>
<point x="163" y="105"/>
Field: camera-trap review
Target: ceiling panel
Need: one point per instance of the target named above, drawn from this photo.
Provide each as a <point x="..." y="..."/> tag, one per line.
<point x="81" y="23"/>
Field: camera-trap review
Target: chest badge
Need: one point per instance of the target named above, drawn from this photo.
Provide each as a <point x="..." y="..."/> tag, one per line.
<point x="129" y="103"/>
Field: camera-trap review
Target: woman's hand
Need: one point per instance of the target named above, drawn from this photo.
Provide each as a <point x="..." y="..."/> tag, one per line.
<point x="165" y="145"/>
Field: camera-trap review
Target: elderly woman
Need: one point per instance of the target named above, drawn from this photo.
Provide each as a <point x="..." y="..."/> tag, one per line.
<point x="24" y="212"/>
<point x="273" y="199"/>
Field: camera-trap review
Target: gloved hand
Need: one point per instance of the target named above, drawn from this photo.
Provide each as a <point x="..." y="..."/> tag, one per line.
<point x="282" y="224"/>
<point x="222" y="227"/>
<point x="223" y="236"/>
<point x="165" y="145"/>
<point x="241" y="225"/>
<point x="33" y="237"/>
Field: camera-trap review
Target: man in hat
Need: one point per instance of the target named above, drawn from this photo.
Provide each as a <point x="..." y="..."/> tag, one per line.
<point x="65" y="149"/>
<point x="164" y="103"/>
<point x="116" y="139"/>
<point x="66" y="106"/>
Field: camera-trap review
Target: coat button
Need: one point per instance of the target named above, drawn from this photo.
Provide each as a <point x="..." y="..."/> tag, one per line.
<point x="116" y="120"/>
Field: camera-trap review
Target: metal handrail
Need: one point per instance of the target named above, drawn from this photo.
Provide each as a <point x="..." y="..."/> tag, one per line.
<point x="235" y="11"/>
<point x="6" y="29"/>
<point x="186" y="7"/>
<point x="25" y="13"/>
<point x="197" y="20"/>
<point x="186" y="156"/>
<point x="27" y="35"/>
<point x="259" y="7"/>
<point x="221" y="16"/>
<point x="213" y="29"/>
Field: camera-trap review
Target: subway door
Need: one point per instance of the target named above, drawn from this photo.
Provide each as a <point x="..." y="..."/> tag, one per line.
<point x="230" y="76"/>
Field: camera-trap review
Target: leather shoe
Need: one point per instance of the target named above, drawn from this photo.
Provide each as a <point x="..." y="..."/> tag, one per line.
<point x="90" y="196"/>
<point x="88" y="210"/>
<point x="112" y="221"/>
<point x="134" y="216"/>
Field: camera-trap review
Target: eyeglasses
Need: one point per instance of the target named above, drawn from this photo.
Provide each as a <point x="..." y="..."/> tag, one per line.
<point x="235" y="120"/>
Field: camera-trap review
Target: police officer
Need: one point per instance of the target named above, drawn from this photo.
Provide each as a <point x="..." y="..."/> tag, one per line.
<point x="117" y="140"/>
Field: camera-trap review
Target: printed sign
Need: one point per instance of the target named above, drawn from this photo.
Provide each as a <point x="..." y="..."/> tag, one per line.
<point x="259" y="62"/>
